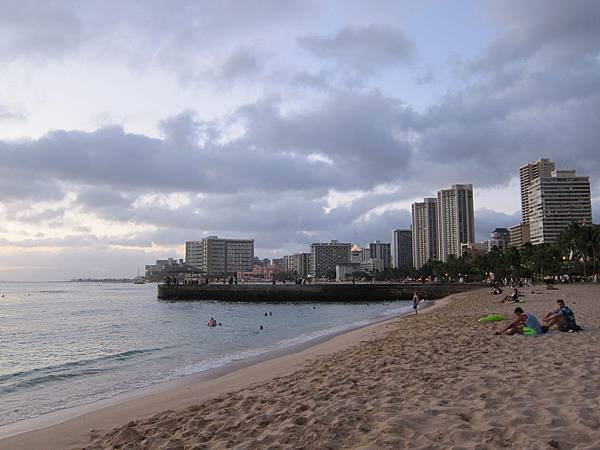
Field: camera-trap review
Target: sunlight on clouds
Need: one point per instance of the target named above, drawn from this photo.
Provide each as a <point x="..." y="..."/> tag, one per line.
<point x="172" y="201"/>
<point x="335" y="199"/>
<point x="319" y="157"/>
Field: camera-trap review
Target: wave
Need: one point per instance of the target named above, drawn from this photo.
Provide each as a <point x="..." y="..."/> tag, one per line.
<point x="71" y="369"/>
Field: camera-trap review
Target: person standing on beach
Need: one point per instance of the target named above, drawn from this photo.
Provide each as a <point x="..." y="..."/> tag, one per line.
<point x="415" y="301"/>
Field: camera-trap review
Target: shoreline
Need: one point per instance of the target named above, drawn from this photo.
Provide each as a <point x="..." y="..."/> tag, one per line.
<point x="189" y="389"/>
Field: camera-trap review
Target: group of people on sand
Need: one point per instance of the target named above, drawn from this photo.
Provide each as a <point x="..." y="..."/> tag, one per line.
<point x="529" y="325"/>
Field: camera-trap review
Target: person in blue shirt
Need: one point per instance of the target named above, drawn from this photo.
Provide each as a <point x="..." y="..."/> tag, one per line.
<point x="563" y="317"/>
<point x="526" y="323"/>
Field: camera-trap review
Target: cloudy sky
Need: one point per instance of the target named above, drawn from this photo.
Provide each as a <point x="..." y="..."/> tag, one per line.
<point x="128" y="127"/>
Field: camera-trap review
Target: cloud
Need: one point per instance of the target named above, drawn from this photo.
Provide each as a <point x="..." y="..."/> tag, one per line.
<point x="7" y="113"/>
<point x="486" y="220"/>
<point x="365" y="49"/>
<point x="241" y="63"/>
<point x="551" y="32"/>
<point x="314" y="124"/>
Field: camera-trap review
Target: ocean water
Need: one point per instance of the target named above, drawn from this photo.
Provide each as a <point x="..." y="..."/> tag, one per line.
<point x="68" y="344"/>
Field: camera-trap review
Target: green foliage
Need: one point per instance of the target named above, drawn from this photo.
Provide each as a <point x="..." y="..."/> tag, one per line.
<point x="576" y="253"/>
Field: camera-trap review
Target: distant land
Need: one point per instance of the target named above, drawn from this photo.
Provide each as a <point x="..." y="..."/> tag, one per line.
<point x="101" y="280"/>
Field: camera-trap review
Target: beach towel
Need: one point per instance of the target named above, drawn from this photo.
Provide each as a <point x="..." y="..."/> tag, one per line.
<point x="491" y="318"/>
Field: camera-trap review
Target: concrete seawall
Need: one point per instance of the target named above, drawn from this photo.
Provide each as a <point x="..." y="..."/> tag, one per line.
<point x="322" y="292"/>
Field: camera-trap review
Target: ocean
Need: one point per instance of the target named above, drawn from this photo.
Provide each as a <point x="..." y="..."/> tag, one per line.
<point x="65" y="344"/>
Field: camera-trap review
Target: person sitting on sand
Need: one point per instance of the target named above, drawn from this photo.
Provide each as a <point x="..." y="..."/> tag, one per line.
<point x="563" y="317"/>
<point x="525" y="324"/>
<point x="512" y="298"/>
<point x="415" y="301"/>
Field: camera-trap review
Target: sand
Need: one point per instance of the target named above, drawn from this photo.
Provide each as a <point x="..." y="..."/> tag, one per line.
<point x="435" y="380"/>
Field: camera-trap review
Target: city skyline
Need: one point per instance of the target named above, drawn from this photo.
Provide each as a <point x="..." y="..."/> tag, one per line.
<point x="126" y="131"/>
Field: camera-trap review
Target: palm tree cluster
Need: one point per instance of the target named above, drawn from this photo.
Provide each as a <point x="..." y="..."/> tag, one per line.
<point x="576" y="254"/>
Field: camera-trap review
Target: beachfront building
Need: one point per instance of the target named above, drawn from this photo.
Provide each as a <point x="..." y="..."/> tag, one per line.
<point x="456" y="220"/>
<point x="555" y="202"/>
<point x="382" y="251"/>
<point x="527" y="174"/>
<point x="519" y="235"/>
<point x="326" y="255"/>
<point x="164" y="268"/>
<point x="216" y="257"/>
<point x="424" y="232"/>
<point x="471" y="250"/>
<point x="500" y="239"/>
<point x="402" y="251"/>
<point x="372" y="265"/>
<point x="260" y="272"/>
<point x="297" y="264"/>
<point x="344" y="272"/>
<point x="356" y="254"/>
<point x="277" y="264"/>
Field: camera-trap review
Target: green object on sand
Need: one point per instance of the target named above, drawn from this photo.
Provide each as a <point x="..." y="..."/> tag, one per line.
<point x="529" y="331"/>
<point x="492" y="318"/>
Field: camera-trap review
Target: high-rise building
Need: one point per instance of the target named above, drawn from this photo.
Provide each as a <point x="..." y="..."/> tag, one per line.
<point x="528" y="173"/>
<point x="500" y="239"/>
<point x="297" y="264"/>
<point x="220" y="257"/>
<point x="424" y="232"/>
<point x="326" y="255"/>
<point x="382" y="251"/>
<point x="555" y="202"/>
<point x="456" y="221"/>
<point x="402" y="249"/>
<point x="519" y="235"/>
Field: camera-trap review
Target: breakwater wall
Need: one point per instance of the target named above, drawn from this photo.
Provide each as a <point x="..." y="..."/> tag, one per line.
<point x="315" y="292"/>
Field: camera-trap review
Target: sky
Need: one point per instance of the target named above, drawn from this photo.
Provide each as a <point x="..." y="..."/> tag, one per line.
<point x="128" y="127"/>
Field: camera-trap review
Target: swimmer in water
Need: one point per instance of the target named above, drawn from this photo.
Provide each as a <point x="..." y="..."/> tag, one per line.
<point x="261" y="327"/>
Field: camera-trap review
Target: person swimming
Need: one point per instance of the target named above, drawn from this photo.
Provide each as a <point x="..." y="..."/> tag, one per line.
<point x="211" y="322"/>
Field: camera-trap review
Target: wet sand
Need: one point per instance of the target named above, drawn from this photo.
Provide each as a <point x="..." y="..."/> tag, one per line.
<point x="435" y="380"/>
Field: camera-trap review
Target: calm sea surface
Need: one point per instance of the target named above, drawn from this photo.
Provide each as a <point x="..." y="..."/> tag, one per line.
<point x="66" y="344"/>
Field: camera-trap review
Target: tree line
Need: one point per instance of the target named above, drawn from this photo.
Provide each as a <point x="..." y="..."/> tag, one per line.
<point x="575" y="254"/>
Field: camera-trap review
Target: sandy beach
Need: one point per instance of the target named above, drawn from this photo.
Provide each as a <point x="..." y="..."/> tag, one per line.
<point x="436" y="380"/>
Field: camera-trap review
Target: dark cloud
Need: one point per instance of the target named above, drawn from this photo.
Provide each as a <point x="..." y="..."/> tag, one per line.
<point x="365" y="49"/>
<point x="551" y="32"/>
<point x="101" y="197"/>
<point x="182" y="38"/>
<point x="355" y="134"/>
<point x="241" y="63"/>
